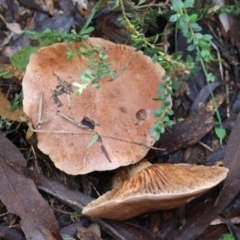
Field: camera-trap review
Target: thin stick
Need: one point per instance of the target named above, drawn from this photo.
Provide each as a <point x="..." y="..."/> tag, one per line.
<point x="206" y="146"/>
<point x="40" y="119"/>
<point x="76" y="123"/>
<point x="92" y="133"/>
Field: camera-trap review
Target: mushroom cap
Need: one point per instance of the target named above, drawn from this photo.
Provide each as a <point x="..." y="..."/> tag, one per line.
<point x="157" y="187"/>
<point x="120" y="109"/>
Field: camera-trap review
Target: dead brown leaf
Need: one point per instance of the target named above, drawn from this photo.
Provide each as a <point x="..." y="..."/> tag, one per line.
<point x="10" y="233"/>
<point x="191" y="130"/>
<point x="213" y="232"/>
<point x="34" y="4"/>
<point x="5" y="110"/>
<point x="13" y="27"/>
<point x="234" y="22"/>
<point x="131" y="231"/>
<point x="87" y="234"/>
<point x="232" y="154"/>
<point x="22" y="198"/>
<point x="50" y="6"/>
<point x="18" y="73"/>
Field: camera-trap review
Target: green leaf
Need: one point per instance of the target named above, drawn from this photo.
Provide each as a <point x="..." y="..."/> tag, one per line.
<point x="169" y="111"/>
<point x="14" y="105"/>
<point x="196" y="27"/>
<point x="195" y="41"/>
<point x="169" y="123"/>
<point x="116" y="6"/>
<point x="204" y="44"/>
<point x="183" y="26"/>
<point x="85" y="36"/>
<point x="161" y="89"/>
<point x="141" y="2"/>
<point x="188" y="3"/>
<point x="31" y="33"/>
<point x="221" y="133"/>
<point x="210" y="77"/>
<point x="16" y="101"/>
<point x="227" y="236"/>
<point x="198" y="35"/>
<point x="5" y="74"/>
<point x="207" y="37"/>
<point x="193" y="18"/>
<point x="189" y="59"/>
<point x="95" y="85"/>
<point x="93" y="140"/>
<point x="173" y="18"/>
<point x="20" y="58"/>
<point x="185" y="17"/>
<point x="177" y="5"/>
<point x="175" y="85"/>
<point x="113" y="75"/>
<point x="158" y="112"/>
<point x="165" y="77"/>
<point x="191" y="47"/>
<point x="155" y="58"/>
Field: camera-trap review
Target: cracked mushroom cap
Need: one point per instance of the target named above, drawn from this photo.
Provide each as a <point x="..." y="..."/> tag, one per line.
<point x="121" y="110"/>
<point x="157" y="187"/>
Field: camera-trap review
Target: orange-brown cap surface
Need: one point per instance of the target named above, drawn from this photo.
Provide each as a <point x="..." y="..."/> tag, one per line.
<point x="157" y="187"/>
<point x="120" y="109"/>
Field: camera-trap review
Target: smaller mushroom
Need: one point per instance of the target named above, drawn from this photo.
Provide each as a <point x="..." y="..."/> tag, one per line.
<point x="155" y="187"/>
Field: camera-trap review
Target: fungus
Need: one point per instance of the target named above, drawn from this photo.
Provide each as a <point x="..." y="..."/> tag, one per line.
<point x="156" y="187"/>
<point x="120" y="112"/>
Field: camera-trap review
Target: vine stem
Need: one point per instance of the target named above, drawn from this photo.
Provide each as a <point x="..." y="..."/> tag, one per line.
<point x="93" y="12"/>
<point x="206" y="75"/>
<point x="133" y="30"/>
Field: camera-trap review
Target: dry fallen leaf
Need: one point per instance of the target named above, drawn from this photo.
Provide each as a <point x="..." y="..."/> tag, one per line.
<point x="90" y="233"/>
<point x="18" y="73"/>
<point x="5" y="110"/>
<point x="21" y="197"/>
<point x="13" y="27"/>
<point x="191" y="130"/>
<point x="232" y="154"/>
<point x="50" y="6"/>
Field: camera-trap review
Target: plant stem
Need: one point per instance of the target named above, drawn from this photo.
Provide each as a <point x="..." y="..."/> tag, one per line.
<point x="94" y="10"/>
<point x="206" y="75"/>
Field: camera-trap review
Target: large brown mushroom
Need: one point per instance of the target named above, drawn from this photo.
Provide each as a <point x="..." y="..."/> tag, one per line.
<point x="155" y="187"/>
<point x="120" y="111"/>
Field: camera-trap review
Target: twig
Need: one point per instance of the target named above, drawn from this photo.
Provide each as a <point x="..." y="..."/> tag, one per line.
<point x="206" y="146"/>
<point x="227" y="80"/>
<point x="76" y="123"/>
<point x="219" y="59"/>
<point x="40" y="119"/>
<point x="92" y="133"/>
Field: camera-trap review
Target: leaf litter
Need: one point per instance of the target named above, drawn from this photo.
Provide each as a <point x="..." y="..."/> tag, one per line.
<point x="21" y="197"/>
